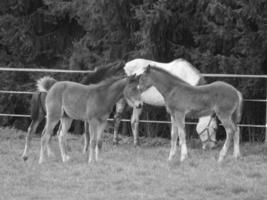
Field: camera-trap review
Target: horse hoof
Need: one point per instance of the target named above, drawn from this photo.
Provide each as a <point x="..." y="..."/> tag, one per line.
<point x="84" y="151"/>
<point x="237" y="155"/>
<point x="66" y="159"/>
<point x="115" y="143"/>
<point x="25" y="158"/>
<point x="51" y="154"/>
<point x="137" y="144"/>
<point x="220" y="160"/>
<point x="183" y="158"/>
<point x="40" y="161"/>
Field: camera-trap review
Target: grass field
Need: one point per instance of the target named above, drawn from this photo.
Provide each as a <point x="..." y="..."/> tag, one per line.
<point x="130" y="173"/>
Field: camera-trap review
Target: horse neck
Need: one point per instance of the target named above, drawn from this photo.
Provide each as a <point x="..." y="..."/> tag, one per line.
<point x="116" y="89"/>
<point x="95" y="77"/>
<point x="159" y="80"/>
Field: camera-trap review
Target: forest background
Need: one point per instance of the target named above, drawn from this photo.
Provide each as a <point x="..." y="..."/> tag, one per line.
<point x="216" y="36"/>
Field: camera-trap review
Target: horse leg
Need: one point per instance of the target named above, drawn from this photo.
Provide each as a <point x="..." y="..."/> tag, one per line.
<point x="175" y="129"/>
<point x="135" y="124"/>
<point x="93" y="131"/>
<point x="50" y="153"/>
<point x="180" y="124"/>
<point x="86" y="137"/>
<point x="31" y="130"/>
<point x="229" y="128"/>
<point x="184" y="153"/>
<point x="117" y="119"/>
<point x="174" y="137"/>
<point x="236" y="143"/>
<point x="65" y="125"/>
<point x="47" y="133"/>
<point x="100" y="129"/>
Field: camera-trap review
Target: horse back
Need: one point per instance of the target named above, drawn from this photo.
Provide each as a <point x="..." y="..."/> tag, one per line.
<point x="224" y="94"/>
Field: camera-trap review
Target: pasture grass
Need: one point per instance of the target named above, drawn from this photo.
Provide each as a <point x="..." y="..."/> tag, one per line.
<point x="129" y="173"/>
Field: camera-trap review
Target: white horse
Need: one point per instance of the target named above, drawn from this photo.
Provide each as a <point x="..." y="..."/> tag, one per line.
<point x="181" y="68"/>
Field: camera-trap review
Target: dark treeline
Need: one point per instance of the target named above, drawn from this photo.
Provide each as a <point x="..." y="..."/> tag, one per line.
<point x="216" y="36"/>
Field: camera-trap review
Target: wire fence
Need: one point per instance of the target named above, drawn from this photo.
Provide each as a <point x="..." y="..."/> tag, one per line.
<point x="127" y="120"/>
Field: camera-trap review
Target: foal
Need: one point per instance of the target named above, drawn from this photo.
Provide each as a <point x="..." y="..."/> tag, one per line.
<point x="181" y="98"/>
<point x="38" y="110"/>
<point x="206" y="126"/>
<point x="69" y="100"/>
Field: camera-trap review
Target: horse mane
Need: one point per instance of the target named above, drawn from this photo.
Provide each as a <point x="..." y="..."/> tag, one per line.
<point x="102" y="72"/>
<point x="109" y="81"/>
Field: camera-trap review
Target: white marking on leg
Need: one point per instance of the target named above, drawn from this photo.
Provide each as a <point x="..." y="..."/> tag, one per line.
<point x="236" y="143"/>
<point x="135" y="124"/>
<point x="86" y="137"/>
<point x="93" y="132"/>
<point x="180" y="123"/>
<point x="174" y="137"/>
<point x="184" y="153"/>
<point x="50" y="152"/>
<point x="65" y="124"/>
<point x="31" y="130"/>
<point x="226" y="145"/>
<point x="62" y="146"/>
<point x="41" y="158"/>
<point x="44" y="139"/>
<point x="97" y="153"/>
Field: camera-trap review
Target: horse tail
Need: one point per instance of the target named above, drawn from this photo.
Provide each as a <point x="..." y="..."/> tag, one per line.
<point x="237" y="115"/>
<point x="45" y="83"/>
<point x="35" y="105"/>
<point x="102" y="72"/>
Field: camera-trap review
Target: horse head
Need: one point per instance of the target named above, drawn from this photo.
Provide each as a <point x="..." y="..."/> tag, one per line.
<point x="207" y="132"/>
<point x="131" y="93"/>
<point x="144" y="80"/>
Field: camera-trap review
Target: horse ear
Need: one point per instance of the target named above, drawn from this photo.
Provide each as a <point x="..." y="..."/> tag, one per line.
<point x="122" y="63"/>
<point x="148" y="68"/>
<point x="131" y="78"/>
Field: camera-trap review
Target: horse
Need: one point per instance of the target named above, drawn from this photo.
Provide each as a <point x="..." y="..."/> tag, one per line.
<point x="218" y="98"/>
<point x="38" y="109"/>
<point x="93" y="103"/>
<point x="207" y="125"/>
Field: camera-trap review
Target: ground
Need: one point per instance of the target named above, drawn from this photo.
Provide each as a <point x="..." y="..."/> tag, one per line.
<point x="130" y="173"/>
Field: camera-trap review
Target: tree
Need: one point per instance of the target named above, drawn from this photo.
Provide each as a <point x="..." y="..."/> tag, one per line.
<point x="218" y="36"/>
